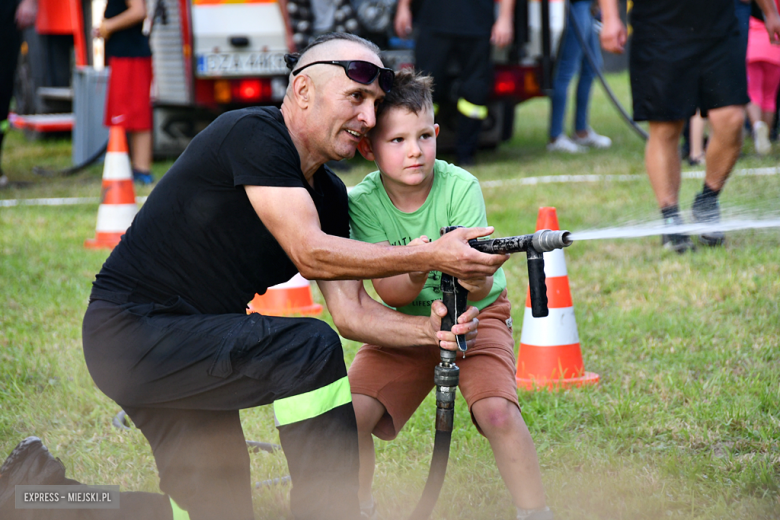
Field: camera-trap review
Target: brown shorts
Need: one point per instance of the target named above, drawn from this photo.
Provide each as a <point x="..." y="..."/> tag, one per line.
<point x="400" y="378"/>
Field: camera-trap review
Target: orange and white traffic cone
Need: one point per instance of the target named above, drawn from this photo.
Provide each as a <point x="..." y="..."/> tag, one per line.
<point x="549" y="355"/>
<point x="286" y="299"/>
<point x="117" y="203"/>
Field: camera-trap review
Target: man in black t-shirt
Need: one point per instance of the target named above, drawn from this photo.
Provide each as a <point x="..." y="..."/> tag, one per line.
<point x="246" y="206"/>
<point x="686" y="54"/>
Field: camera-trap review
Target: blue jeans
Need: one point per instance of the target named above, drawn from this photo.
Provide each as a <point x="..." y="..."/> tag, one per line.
<point x="571" y="58"/>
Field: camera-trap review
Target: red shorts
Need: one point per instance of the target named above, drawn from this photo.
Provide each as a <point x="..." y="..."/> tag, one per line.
<point x="127" y="102"/>
<point x="400" y="378"/>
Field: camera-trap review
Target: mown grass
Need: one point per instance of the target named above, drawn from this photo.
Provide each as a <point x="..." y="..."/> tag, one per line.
<point x="686" y="419"/>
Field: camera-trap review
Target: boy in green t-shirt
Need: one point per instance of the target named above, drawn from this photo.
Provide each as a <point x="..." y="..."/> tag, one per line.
<point x="405" y="202"/>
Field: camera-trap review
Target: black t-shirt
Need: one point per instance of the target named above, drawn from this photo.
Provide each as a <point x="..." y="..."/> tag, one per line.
<point x="198" y="237"/>
<point x="470" y="18"/>
<point x="127" y="43"/>
<point x="681" y="20"/>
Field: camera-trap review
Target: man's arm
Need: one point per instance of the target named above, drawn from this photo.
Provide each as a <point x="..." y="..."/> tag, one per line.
<point x="359" y="317"/>
<point x="504" y="29"/>
<point x="403" y="18"/>
<point x="291" y="217"/>
<point x="613" y="32"/>
<point x="771" y="19"/>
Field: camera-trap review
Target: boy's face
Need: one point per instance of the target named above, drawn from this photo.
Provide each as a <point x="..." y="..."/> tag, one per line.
<point x="403" y="144"/>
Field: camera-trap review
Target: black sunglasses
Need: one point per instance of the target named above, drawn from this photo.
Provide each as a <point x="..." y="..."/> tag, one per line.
<point x="361" y="71"/>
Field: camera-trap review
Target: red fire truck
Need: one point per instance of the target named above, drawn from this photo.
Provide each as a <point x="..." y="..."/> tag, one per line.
<point x="214" y="55"/>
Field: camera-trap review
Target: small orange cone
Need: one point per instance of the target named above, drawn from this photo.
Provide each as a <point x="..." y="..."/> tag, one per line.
<point x="550" y="354"/>
<point x="286" y="299"/>
<point x="117" y="204"/>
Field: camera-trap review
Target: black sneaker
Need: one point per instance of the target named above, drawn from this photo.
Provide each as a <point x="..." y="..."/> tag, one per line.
<point x="30" y="463"/>
<point x="706" y="210"/>
<point x="674" y="241"/>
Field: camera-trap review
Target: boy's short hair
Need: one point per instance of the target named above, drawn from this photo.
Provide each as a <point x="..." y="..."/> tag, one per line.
<point x="411" y="90"/>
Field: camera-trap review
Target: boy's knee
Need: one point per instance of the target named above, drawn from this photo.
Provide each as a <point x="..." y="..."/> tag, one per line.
<point x="495" y="414"/>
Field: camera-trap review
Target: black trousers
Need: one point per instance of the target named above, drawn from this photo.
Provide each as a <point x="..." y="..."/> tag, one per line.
<point x="182" y="377"/>
<point x="433" y="55"/>
<point x="10" y="42"/>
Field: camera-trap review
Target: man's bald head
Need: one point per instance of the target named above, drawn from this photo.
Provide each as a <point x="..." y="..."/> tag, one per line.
<point x="333" y="47"/>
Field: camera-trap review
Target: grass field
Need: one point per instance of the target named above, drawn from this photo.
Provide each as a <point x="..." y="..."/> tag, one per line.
<point x="685" y="422"/>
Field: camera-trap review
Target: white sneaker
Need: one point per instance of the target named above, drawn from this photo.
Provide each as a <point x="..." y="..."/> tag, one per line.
<point x="564" y="144"/>
<point x="3" y="181"/>
<point x="761" y="138"/>
<point x="593" y="139"/>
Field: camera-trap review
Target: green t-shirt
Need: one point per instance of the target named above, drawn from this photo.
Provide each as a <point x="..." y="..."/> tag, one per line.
<point x="455" y="200"/>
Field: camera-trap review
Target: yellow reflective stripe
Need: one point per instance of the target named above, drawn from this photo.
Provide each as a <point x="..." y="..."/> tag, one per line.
<point x="311" y="404"/>
<point x="178" y="513"/>
<point x="435" y="108"/>
<point x="471" y="110"/>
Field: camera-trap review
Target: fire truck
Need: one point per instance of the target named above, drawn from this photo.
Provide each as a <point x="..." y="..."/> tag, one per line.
<point x="210" y="56"/>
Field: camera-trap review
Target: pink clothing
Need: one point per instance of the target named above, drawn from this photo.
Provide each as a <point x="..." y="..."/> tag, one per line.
<point x="759" y="47"/>
<point x="763" y="82"/>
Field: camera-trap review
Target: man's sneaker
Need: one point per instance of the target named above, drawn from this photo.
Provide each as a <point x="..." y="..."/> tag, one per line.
<point x="563" y="144"/>
<point x="593" y="140"/>
<point x="761" y="138"/>
<point x="675" y="241"/>
<point x="140" y="177"/>
<point x="707" y="211"/>
<point x="368" y="513"/>
<point x="535" y="514"/>
<point x="30" y="463"/>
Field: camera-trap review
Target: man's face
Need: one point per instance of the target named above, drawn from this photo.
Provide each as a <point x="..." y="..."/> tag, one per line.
<point x="342" y="110"/>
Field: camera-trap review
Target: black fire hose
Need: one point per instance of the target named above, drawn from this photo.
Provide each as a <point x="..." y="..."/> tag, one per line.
<point x="39" y="170"/>
<point x="592" y="62"/>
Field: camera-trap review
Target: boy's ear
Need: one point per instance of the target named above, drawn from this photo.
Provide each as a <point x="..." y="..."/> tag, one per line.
<point x="436" y="129"/>
<point x="364" y="145"/>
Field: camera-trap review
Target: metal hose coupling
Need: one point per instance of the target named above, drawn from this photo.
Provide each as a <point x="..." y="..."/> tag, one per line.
<point x="546" y="240"/>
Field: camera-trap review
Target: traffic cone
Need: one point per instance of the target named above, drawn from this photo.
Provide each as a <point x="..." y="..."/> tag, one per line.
<point x="549" y="355"/>
<point x="117" y="203"/>
<point x="286" y="299"/>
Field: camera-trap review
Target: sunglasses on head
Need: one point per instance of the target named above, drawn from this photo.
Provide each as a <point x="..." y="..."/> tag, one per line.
<point x="360" y="71"/>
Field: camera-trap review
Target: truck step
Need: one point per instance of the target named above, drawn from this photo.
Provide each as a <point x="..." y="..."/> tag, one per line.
<point x="56" y="93"/>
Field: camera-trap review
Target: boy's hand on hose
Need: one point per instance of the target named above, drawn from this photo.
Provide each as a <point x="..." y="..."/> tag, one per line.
<point x="467" y="324"/>
<point x="473" y="284"/>
<point x="419" y="276"/>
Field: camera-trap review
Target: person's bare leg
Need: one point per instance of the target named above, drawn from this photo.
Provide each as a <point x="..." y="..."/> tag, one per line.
<point x="141" y="150"/>
<point x="754" y="113"/>
<point x="663" y="161"/>
<point x="768" y="118"/>
<point x="368" y="412"/>
<point x="697" y="137"/>
<point x="513" y="448"/>
<point x="725" y="144"/>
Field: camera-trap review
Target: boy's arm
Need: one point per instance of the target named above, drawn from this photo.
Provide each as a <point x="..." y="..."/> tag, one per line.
<point x="135" y="14"/>
<point x="402" y="289"/>
<point x="478" y="288"/>
<point x="359" y="317"/>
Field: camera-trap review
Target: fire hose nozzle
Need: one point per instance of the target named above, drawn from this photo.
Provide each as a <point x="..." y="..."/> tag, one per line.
<point x="546" y="240"/>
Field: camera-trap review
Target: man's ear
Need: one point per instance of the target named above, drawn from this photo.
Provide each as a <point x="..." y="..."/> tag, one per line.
<point x="301" y="90"/>
<point x="364" y="145"/>
<point x="436" y="130"/>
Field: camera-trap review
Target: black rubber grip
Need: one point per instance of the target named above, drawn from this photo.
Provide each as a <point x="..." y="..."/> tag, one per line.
<point x="537" y="285"/>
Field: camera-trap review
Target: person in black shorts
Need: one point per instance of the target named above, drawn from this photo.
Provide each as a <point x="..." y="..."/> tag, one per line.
<point x="686" y="54"/>
<point x="166" y="335"/>
<point x="462" y="30"/>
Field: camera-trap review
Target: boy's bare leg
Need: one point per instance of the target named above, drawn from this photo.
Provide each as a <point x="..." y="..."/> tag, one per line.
<point x="663" y="160"/>
<point x="141" y="150"/>
<point x="725" y="144"/>
<point x="513" y="448"/>
<point x="368" y="412"/>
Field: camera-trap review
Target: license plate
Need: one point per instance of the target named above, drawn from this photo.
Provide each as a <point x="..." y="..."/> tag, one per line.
<point x="241" y="63"/>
